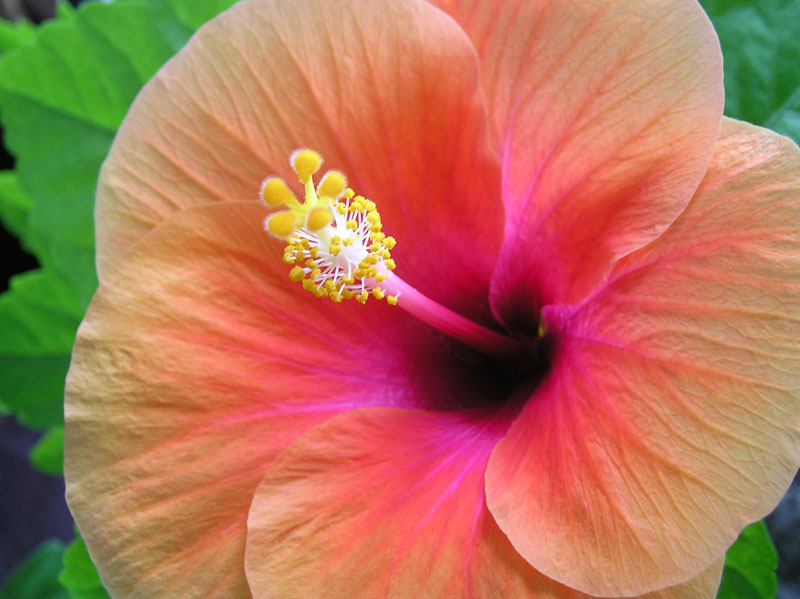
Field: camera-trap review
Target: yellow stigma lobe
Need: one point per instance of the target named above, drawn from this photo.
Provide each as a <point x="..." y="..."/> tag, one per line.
<point x="332" y="185"/>
<point x="334" y="239"/>
<point x="305" y="163"/>
<point x="281" y="224"/>
<point x="275" y="192"/>
<point x="318" y="218"/>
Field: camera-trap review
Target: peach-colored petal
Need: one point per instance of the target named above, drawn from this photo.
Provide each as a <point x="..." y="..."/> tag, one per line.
<point x="389" y="504"/>
<point x="605" y="115"/>
<point x="197" y="363"/>
<point x="671" y="417"/>
<point x="397" y="108"/>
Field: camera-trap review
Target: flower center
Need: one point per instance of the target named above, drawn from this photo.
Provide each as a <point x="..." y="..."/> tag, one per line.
<point x="337" y="249"/>
<point x="334" y="238"/>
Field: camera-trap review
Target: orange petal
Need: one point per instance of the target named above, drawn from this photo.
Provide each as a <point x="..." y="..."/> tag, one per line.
<point x="389" y="504"/>
<point x="671" y="417"/>
<point x="605" y="115"/>
<point x="397" y="109"/>
<point x="197" y="363"/>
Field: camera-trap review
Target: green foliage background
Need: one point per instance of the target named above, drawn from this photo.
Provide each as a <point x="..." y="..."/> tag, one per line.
<point x="65" y="87"/>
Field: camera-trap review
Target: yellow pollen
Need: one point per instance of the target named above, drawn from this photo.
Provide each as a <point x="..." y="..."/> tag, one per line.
<point x="305" y="163"/>
<point x="333" y="238"/>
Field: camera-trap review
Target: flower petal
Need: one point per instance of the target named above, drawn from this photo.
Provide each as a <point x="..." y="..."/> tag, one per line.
<point x="385" y="503"/>
<point x="671" y="417"/>
<point x="605" y="114"/>
<point x="398" y="109"/>
<point x="197" y="363"/>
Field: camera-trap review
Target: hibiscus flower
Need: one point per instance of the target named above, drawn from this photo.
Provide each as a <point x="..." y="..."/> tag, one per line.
<point x="559" y="179"/>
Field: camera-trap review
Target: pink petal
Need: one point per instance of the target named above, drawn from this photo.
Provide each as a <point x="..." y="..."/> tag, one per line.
<point x="605" y="115"/>
<point x="397" y="108"/>
<point x="197" y="363"/>
<point x="385" y="503"/>
<point x="671" y="417"/>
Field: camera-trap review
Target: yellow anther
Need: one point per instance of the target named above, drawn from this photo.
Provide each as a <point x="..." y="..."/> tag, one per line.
<point x="334" y="250"/>
<point x="349" y="280"/>
<point x="281" y="224"/>
<point x="348" y="241"/>
<point x="305" y="163"/>
<point x="362" y="297"/>
<point x="352" y="225"/>
<point x="318" y="218"/>
<point x="296" y="274"/>
<point x="275" y="192"/>
<point x="389" y="243"/>
<point x="391" y="300"/>
<point x="341" y="208"/>
<point x="349" y="193"/>
<point x="378" y="293"/>
<point x="381" y="278"/>
<point x="332" y="185"/>
<point x="390" y="264"/>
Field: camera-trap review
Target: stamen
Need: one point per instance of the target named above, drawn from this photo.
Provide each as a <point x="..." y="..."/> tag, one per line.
<point x="337" y="249"/>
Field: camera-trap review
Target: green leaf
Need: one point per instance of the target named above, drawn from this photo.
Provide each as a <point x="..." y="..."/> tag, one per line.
<point x="48" y="453"/>
<point x="78" y="575"/>
<point x="37" y="576"/>
<point x="61" y="101"/>
<point x="750" y="566"/>
<point x="62" y="98"/>
<point x="64" y="10"/>
<point x="39" y="315"/>
<point x="14" y="204"/>
<point x="193" y="13"/>
<point x="761" y="46"/>
<point x="15" y="34"/>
